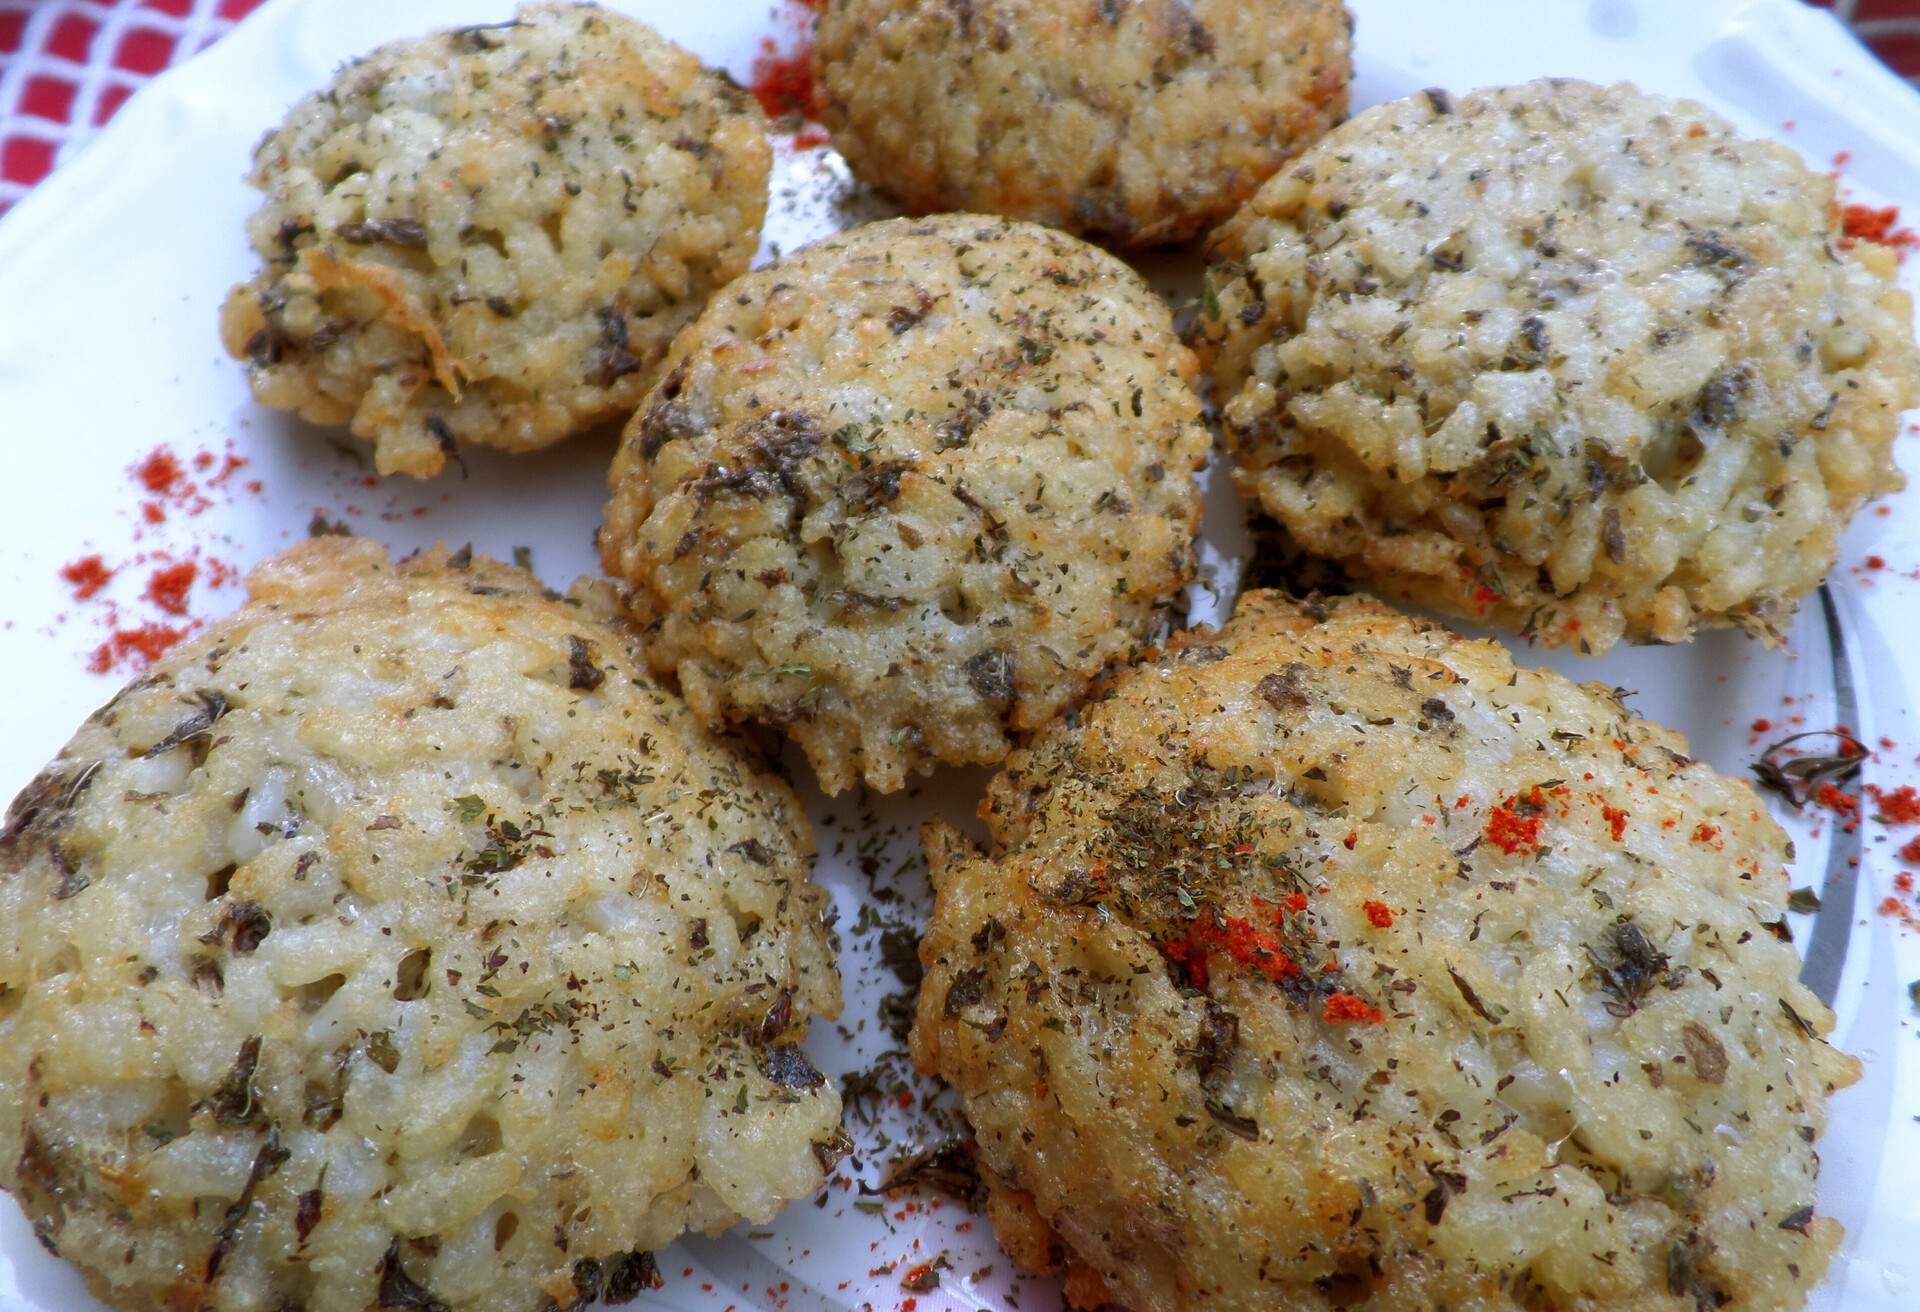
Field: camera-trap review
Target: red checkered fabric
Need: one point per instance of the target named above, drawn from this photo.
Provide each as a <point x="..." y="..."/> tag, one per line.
<point x="1891" y="27"/>
<point x="67" y="65"/>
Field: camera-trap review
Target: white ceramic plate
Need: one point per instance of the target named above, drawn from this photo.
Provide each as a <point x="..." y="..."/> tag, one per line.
<point x="110" y="274"/>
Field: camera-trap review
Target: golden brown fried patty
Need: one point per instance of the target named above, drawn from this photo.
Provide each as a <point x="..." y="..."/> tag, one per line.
<point x="1134" y="121"/>
<point x="490" y="234"/>
<point x="399" y="941"/>
<point x="903" y="493"/>
<point x="1573" y="360"/>
<point x="1337" y="963"/>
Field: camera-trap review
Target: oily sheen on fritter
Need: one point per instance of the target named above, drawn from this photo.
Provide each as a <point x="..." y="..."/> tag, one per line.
<point x="1333" y="961"/>
<point x="400" y="942"/>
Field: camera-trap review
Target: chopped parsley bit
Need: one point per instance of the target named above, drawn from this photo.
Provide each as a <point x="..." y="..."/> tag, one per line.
<point x="855" y="438"/>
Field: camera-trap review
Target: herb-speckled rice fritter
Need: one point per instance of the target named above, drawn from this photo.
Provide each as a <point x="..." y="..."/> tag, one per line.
<point x="1131" y="121"/>
<point x="1330" y="961"/>
<point x="490" y="234"/>
<point x="1570" y="359"/>
<point x="400" y="941"/>
<point x="905" y="492"/>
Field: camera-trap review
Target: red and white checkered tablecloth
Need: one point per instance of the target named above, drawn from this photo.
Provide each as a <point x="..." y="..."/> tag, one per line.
<point x="67" y="65"/>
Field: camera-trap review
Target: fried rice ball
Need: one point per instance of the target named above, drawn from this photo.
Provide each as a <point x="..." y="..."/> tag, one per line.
<point x="904" y="493"/>
<point x="400" y="941"/>
<point x="1330" y="961"/>
<point x="490" y="234"/>
<point x="1568" y="359"/>
<point x="1137" y="122"/>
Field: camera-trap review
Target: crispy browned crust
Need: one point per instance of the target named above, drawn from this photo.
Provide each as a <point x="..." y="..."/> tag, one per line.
<point x="1572" y="360"/>
<point x="905" y="492"/>
<point x="582" y="185"/>
<point x="1138" y="122"/>
<point x="1330" y="961"/>
<point x="399" y="941"/>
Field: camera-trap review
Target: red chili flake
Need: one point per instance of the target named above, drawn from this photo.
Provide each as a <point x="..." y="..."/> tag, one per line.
<point x="160" y="472"/>
<point x="1616" y="820"/>
<point x="1903" y="881"/>
<point x="228" y="467"/>
<point x="1836" y="801"/>
<point x="1893" y="906"/>
<point x="783" y="80"/>
<point x="1762" y="726"/>
<point x="1191" y="957"/>
<point x="1865" y="223"/>
<point x="168" y="586"/>
<point x="1253" y="947"/>
<point x="1348" y="1007"/>
<point x="1239" y="939"/>
<point x="1296" y="901"/>
<point x="1460" y="803"/>
<point x="88" y="575"/>
<point x="1911" y="852"/>
<point x="906" y="1100"/>
<point x="1876" y="562"/>
<point x="1705" y="833"/>
<point x="1350" y="840"/>
<point x="1379" y="914"/>
<point x="1511" y="832"/>
<point x="139" y="646"/>
<point x="1901" y="806"/>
